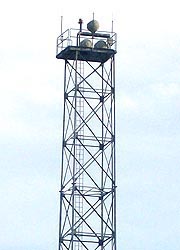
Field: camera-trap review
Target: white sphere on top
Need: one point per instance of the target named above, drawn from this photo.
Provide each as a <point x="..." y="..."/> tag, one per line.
<point x="93" y="26"/>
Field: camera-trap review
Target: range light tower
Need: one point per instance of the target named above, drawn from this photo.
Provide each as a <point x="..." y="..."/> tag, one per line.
<point x="88" y="186"/>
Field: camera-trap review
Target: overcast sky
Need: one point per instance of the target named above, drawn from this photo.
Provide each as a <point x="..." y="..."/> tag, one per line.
<point x="148" y="120"/>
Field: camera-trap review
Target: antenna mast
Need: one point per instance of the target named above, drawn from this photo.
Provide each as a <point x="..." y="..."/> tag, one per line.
<point x="88" y="170"/>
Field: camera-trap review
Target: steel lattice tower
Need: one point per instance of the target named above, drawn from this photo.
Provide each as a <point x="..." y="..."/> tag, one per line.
<point x="88" y="188"/>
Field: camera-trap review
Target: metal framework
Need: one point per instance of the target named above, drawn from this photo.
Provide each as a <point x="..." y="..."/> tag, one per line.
<point x="88" y="187"/>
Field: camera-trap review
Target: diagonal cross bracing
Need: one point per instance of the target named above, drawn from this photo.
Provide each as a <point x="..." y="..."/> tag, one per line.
<point x="87" y="200"/>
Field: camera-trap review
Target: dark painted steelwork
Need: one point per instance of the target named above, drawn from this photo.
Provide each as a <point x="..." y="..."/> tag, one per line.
<point x="86" y="54"/>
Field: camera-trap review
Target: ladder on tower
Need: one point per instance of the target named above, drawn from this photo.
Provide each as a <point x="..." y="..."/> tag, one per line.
<point x="79" y="156"/>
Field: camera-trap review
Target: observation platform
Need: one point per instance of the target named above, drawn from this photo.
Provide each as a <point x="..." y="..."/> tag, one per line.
<point x="86" y="54"/>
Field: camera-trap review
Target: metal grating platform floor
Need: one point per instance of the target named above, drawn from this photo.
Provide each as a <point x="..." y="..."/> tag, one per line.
<point x="86" y="54"/>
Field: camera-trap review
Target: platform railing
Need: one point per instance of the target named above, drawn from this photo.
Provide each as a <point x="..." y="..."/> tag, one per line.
<point x="73" y="37"/>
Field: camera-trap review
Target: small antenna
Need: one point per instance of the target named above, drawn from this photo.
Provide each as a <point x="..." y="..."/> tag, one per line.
<point x="80" y="24"/>
<point x="62" y="32"/>
<point x="61" y="24"/>
<point x="93" y="15"/>
<point x="112" y="24"/>
<point x="112" y="27"/>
